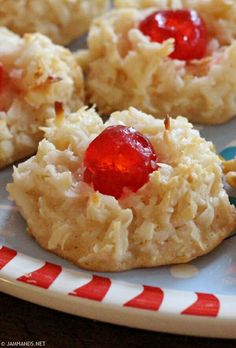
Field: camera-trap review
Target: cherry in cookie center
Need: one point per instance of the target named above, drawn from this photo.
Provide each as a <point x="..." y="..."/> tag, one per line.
<point x="119" y="158"/>
<point x="187" y="28"/>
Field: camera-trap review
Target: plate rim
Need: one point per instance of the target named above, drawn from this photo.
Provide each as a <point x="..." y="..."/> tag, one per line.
<point x="137" y="311"/>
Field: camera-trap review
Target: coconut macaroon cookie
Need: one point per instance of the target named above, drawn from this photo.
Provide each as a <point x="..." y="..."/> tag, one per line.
<point x="34" y="74"/>
<point x="179" y="212"/>
<point x="61" y="20"/>
<point x="192" y="74"/>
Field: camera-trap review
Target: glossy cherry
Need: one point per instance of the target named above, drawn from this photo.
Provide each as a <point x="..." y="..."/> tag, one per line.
<point x="187" y="28"/>
<point x="118" y="158"/>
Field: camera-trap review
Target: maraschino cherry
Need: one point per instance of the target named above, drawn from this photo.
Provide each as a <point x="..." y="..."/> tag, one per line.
<point x="187" y="28"/>
<point x="118" y="158"/>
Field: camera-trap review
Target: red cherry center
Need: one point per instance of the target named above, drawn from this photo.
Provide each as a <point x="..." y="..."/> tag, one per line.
<point x="185" y="26"/>
<point x="118" y="158"/>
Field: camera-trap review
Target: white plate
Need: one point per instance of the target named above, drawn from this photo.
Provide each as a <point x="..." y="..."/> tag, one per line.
<point x="195" y="299"/>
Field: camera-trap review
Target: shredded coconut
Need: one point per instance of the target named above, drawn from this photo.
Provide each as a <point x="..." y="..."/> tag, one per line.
<point x="36" y="74"/>
<point x="123" y="68"/>
<point x="61" y="20"/>
<point x="182" y="212"/>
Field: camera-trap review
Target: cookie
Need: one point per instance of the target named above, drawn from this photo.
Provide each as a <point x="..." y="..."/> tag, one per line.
<point x="34" y="74"/>
<point x="124" y="67"/>
<point x="180" y="213"/>
<point x="61" y="20"/>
